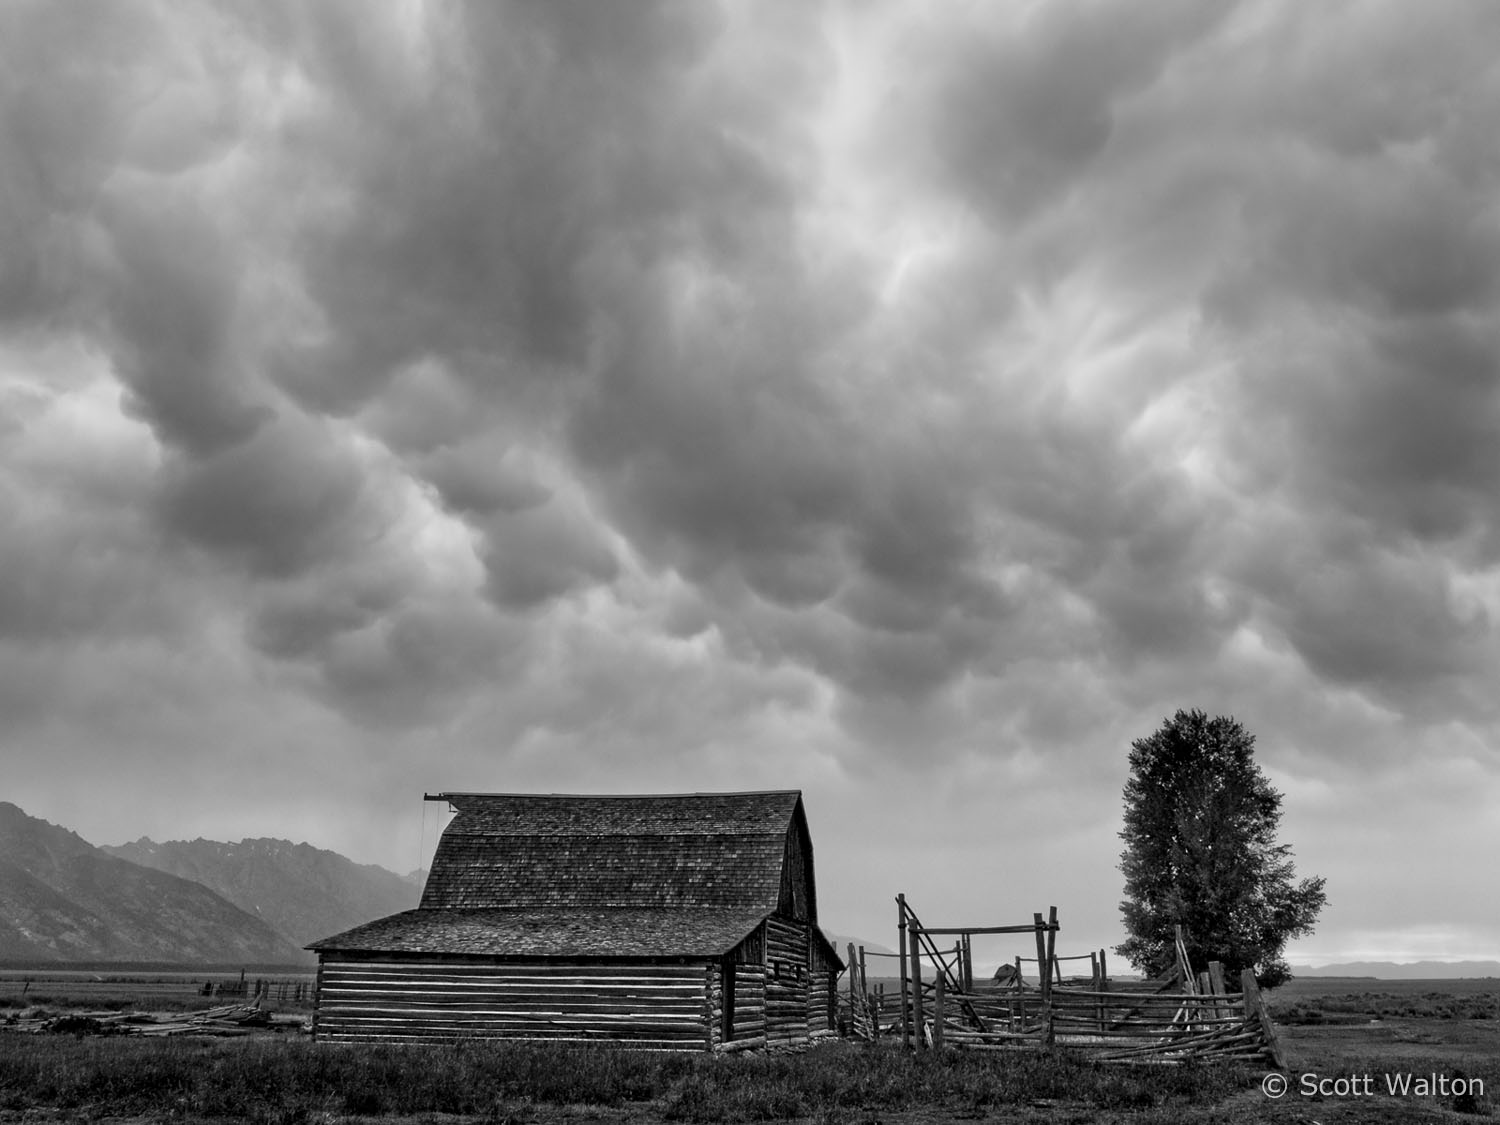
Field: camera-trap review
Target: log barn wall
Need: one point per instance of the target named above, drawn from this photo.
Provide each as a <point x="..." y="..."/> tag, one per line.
<point x="822" y="992"/>
<point x="750" y="1005"/>
<point x="646" y="1006"/>
<point x="673" y="923"/>
<point x="786" y="981"/>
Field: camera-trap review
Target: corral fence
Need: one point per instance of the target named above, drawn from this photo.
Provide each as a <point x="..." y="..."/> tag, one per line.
<point x="285" y="991"/>
<point x="149" y="989"/>
<point x="924" y="966"/>
<point x="1178" y="1017"/>
<point x="865" y="1009"/>
<point x="1121" y="1026"/>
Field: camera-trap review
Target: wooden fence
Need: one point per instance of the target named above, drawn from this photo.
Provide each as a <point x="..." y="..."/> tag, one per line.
<point x="147" y="989"/>
<point x="1172" y="1019"/>
<point x="1121" y="1026"/>
<point x="1098" y="969"/>
<point x="281" y="991"/>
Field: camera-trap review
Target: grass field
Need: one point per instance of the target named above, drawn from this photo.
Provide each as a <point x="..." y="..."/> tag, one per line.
<point x="1360" y="999"/>
<point x="293" y="1081"/>
<point x="113" y="989"/>
<point x="268" y="1080"/>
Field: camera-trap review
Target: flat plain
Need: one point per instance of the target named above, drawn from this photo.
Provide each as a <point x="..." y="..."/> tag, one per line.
<point x="1342" y="1037"/>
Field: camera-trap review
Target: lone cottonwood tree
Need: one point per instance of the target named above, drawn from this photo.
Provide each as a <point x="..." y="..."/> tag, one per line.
<point x="1201" y="851"/>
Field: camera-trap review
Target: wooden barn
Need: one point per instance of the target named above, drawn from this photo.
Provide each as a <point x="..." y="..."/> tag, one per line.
<point x="684" y="922"/>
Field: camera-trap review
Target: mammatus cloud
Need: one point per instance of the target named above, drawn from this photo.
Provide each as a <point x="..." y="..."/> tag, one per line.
<point x="573" y="396"/>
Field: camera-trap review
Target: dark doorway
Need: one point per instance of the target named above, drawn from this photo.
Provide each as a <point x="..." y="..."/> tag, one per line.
<point x="727" y="975"/>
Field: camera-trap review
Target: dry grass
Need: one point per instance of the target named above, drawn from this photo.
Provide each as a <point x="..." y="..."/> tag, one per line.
<point x="295" y="1082"/>
<point x="1357" y="1001"/>
<point x="290" y="1081"/>
<point x="107" y="989"/>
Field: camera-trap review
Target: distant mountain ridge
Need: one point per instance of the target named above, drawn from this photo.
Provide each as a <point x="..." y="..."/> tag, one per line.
<point x="304" y="893"/>
<point x="1403" y="970"/>
<point x="841" y="943"/>
<point x="63" y="899"/>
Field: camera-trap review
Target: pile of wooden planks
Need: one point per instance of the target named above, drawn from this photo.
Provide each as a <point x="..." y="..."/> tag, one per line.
<point x="229" y="1020"/>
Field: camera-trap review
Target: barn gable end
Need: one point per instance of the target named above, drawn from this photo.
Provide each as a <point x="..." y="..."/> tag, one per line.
<point x="685" y="921"/>
<point x="797" y="898"/>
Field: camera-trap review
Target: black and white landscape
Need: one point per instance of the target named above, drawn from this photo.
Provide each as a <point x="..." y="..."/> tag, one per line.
<point x="909" y="404"/>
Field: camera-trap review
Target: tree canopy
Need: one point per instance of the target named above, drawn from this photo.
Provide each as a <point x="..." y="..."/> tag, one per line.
<point x="1201" y="852"/>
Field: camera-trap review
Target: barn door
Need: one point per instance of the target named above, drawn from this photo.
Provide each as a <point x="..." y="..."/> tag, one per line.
<point x="726" y="974"/>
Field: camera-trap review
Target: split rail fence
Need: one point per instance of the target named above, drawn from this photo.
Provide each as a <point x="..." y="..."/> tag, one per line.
<point x="1179" y="1017"/>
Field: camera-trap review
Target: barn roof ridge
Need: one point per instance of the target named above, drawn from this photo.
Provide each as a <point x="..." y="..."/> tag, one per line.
<point x="625" y="796"/>
<point x="745" y="833"/>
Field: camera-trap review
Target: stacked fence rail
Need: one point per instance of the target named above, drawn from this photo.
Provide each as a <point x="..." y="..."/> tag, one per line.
<point x="1178" y="1017"/>
<point x="1120" y="1026"/>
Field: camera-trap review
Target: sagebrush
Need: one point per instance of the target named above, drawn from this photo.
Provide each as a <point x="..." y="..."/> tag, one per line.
<point x="284" y="1080"/>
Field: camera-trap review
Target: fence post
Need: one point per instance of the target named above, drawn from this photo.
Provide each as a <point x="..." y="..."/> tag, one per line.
<point x="1044" y="977"/>
<point x="1255" y="1008"/>
<point x="1184" y="966"/>
<point x="1216" y="985"/>
<point x="1043" y="965"/>
<point x="915" y="950"/>
<point x="1052" y="947"/>
<point x="906" y="1009"/>
<point x="937" y="1012"/>
<point x="1094" y="977"/>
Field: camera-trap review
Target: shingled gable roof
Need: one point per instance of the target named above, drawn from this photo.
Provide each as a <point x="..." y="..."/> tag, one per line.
<point x="723" y="851"/>
<point x="556" y="875"/>
<point x="613" y="933"/>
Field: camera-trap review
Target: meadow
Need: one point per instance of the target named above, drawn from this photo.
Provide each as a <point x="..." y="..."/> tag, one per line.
<point x="132" y="988"/>
<point x="295" y="1081"/>
<point x="288" y="1079"/>
<point x="1352" y="999"/>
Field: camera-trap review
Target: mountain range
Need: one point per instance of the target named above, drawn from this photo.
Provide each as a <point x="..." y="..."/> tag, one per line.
<point x="200" y="901"/>
<point x="1403" y="970"/>
<point x="302" y="892"/>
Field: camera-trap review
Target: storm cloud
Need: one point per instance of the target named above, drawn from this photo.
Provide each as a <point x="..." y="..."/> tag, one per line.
<point x="912" y="406"/>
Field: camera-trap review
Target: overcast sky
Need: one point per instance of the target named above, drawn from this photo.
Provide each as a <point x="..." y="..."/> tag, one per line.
<point x="911" y="404"/>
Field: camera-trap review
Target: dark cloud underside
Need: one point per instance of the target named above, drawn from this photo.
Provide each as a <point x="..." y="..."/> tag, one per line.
<point x="686" y="392"/>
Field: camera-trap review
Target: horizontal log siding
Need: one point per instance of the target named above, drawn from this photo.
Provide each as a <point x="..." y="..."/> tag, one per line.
<point x="819" y="1001"/>
<point x="786" y="981"/>
<point x="648" y="1006"/>
<point x="317" y="998"/>
<point x="752" y="951"/>
<point x="749" y="1004"/>
<point x="821" y="988"/>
